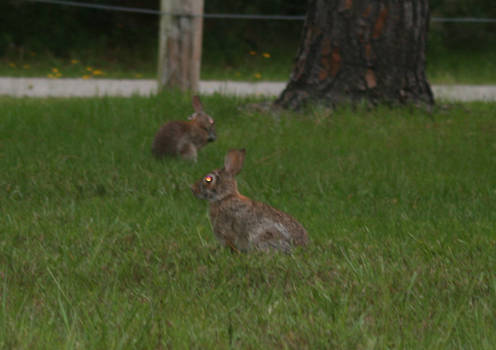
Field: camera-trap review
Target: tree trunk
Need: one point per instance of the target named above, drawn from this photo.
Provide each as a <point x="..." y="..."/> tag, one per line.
<point x="354" y="50"/>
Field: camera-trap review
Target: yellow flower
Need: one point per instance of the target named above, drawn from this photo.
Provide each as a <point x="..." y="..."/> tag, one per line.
<point x="98" y="72"/>
<point x="252" y="53"/>
<point x="74" y="61"/>
<point x="50" y="75"/>
<point x="138" y="75"/>
<point x="266" y="55"/>
<point x="86" y="76"/>
<point x="11" y="64"/>
<point x="258" y="75"/>
<point x="89" y="69"/>
<point x="58" y="75"/>
<point x="26" y="66"/>
<point x="55" y="70"/>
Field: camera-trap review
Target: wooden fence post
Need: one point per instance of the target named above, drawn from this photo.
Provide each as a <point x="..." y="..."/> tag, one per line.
<point x="180" y="44"/>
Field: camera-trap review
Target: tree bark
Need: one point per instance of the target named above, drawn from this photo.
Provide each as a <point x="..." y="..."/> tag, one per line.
<point x="354" y="50"/>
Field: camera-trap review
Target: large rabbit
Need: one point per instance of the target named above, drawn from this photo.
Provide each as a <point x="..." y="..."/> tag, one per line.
<point x="185" y="138"/>
<point x="240" y="222"/>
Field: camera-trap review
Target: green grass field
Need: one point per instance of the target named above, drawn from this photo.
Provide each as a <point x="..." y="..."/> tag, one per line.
<point x="103" y="247"/>
<point x="268" y="64"/>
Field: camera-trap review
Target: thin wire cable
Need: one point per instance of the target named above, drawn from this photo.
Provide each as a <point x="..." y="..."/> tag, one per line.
<point x="231" y="15"/>
<point x="100" y="7"/>
<point x="464" y="20"/>
<point x="157" y="12"/>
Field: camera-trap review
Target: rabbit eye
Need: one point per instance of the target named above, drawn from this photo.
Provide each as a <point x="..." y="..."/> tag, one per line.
<point x="208" y="179"/>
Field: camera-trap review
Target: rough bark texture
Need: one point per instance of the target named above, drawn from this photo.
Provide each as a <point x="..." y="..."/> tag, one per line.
<point x="355" y="50"/>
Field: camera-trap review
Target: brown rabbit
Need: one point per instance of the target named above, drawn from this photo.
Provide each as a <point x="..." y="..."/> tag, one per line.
<point x="240" y="222"/>
<point x="185" y="138"/>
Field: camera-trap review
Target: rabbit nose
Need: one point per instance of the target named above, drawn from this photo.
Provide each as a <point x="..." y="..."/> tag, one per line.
<point x="193" y="189"/>
<point x="211" y="136"/>
<point x="196" y="192"/>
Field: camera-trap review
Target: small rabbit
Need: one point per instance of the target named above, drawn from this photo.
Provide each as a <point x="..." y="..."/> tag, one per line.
<point x="185" y="138"/>
<point x="240" y="222"/>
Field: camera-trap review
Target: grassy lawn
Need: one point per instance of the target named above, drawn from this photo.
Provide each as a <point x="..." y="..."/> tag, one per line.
<point x="85" y="64"/>
<point x="102" y="246"/>
<point x="269" y="63"/>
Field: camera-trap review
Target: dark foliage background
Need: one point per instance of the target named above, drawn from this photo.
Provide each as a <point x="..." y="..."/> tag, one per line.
<point x="62" y="30"/>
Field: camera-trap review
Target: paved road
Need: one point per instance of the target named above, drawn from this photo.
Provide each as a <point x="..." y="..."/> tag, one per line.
<point x="40" y="87"/>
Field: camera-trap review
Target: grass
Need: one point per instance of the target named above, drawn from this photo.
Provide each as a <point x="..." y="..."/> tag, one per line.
<point x="477" y="67"/>
<point x="86" y="64"/>
<point x="272" y="63"/>
<point x="102" y="246"/>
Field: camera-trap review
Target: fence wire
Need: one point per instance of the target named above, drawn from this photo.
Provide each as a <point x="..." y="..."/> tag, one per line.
<point x="231" y="15"/>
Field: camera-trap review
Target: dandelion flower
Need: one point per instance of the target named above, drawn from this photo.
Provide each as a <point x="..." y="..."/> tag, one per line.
<point x="74" y="61"/>
<point x="11" y="64"/>
<point x="139" y="75"/>
<point x="55" y="70"/>
<point x="252" y="53"/>
<point x="97" y="72"/>
<point x="258" y="75"/>
<point x="266" y="55"/>
<point x="89" y="69"/>
<point x="86" y="76"/>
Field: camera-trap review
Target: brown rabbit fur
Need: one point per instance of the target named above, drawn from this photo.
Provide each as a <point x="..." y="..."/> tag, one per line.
<point x="240" y="222"/>
<point x="185" y="138"/>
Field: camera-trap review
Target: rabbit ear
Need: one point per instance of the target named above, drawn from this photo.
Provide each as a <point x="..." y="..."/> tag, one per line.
<point x="233" y="162"/>
<point x="197" y="105"/>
